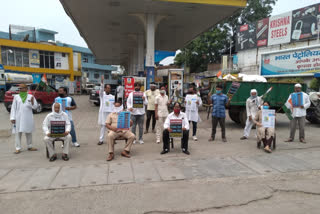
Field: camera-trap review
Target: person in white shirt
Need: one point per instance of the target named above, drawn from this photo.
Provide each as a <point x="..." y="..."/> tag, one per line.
<point x="137" y="113"/>
<point x="106" y="107"/>
<point x="252" y="106"/>
<point x="299" y="114"/>
<point x="192" y="103"/>
<point x="176" y="114"/>
<point x="161" y="111"/>
<point x="57" y="115"/>
<point x="120" y="91"/>
<point x="21" y="116"/>
<point x="151" y="94"/>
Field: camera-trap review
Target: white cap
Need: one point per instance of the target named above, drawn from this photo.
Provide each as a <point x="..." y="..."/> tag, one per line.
<point x="298" y="85"/>
<point x="253" y="91"/>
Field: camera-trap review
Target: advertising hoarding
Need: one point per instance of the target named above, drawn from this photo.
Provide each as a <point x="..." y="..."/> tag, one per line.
<point x="294" y="62"/>
<point x="262" y="32"/>
<point x="280" y="29"/>
<point x="246" y="37"/>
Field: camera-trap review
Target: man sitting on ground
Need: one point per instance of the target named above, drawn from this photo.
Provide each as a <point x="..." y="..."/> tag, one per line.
<point x="57" y="117"/>
<point x="114" y="132"/>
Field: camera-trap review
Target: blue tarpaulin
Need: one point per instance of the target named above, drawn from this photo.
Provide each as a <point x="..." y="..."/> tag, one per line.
<point x="160" y="55"/>
<point x="317" y="75"/>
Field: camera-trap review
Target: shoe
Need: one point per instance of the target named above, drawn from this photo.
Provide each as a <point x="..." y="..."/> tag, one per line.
<point x="100" y="143"/>
<point x="17" y="151"/>
<point x="53" y="158"/>
<point x="141" y="142"/>
<point x="164" y="152"/>
<point x="186" y="152"/>
<point x="289" y="140"/>
<point x="76" y="144"/>
<point x="146" y="132"/>
<point x="302" y="140"/>
<point x="224" y="140"/>
<point x="65" y="157"/>
<point x="158" y="141"/>
<point x="243" y="138"/>
<point x="134" y="142"/>
<point x="267" y="149"/>
<point x="62" y="145"/>
<point x="110" y="157"/>
<point x="211" y="139"/>
<point x="195" y="138"/>
<point x="125" y="153"/>
<point x="32" y="149"/>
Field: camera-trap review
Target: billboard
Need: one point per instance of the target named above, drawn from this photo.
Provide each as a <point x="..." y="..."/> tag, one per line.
<point x="294" y="62"/>
<point x="34" y="59"/>
<point x="246" y="37"/>
<point x="262" y="32"/>
<point x="305" y="23"/>
<point x="280" y="29"/>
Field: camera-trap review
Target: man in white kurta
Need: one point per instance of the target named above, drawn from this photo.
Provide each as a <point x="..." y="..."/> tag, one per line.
<point x="192" y="103"/>
<point x="21" y="117"/>
<point x="252" y="107"/>
<point x="106" y="107"/>
<point x="161" y="111"/>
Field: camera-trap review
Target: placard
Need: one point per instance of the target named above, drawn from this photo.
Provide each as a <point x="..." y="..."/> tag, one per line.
<point x="57" y="128"/>
<point x="176" y="127"/>
<point x="268" y="118"/>
<point x="233" y="89"/>
<point x="124" y="120"/>
<point x="191" y="102"/>
<point x="137" y="99"/>
<point x="63" y="102"/>
<point x="297" y="99"/>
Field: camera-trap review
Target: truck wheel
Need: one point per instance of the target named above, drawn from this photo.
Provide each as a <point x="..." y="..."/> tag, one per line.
<point x="234" y="115"/>
<point x="243" y="117"/>
<point x="39" y="109"/>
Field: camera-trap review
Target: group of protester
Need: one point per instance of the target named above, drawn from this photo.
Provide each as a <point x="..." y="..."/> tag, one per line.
<point x="155" y="104"/>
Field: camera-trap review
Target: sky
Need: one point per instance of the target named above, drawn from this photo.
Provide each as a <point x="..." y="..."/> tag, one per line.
<point x="50" y="14"/>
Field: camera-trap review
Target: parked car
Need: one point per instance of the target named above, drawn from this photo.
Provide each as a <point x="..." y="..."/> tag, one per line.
<point x="44" y="96"/>
<point x="88" y="88"/>
<point x="94" y="95"/>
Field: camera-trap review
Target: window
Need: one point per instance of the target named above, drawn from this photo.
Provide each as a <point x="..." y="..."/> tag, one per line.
<point x="106" y="76"/>
<point x="85" y="59"/>
<point x="96" y="75"/>
<point x="15" y="56"/>
<point x="46" y="59"/>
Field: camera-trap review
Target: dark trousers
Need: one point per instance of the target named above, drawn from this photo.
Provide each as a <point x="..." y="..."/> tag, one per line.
<point x="222" y="122"/>
<point x="194" y="128"/>
<point x="166" y="140"/>
<point x="151" y="113"/>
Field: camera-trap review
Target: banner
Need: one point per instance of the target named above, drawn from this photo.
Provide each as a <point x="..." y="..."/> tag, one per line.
<point x="280" y="29"/>
<point x="128" y="86"/>
<point x="246" y="37"/>
<point x="305" y="23"/>
<point x="34" y="59"/>
<point x="297" y="62"/>
<point x="262" y="32"/>
<point x="124" y="120"/>
<point x="36" y="78"/>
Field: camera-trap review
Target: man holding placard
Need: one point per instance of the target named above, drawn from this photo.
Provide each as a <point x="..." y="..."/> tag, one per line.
<point x="136" y="104"/>
<point x="57" y="125"/>
<point x="118" y="123"/>
<point x="192" y="103"/>
<point x="299" y="102"/>
<point x="106" y="107"/>
<point x="176" y="126"/>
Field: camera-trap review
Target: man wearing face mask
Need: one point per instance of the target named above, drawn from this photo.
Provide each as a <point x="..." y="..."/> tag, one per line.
<point x="112" y="124"/>
<point x="300" y="102"/>
<point x="176" y="114"/>
<point x="252" y="107"/>
<point x="106" y="107"/>
<point x="151" y="94"/>
<point x="21" y="117"/>
<point x="161" y="111"/>
<point x="137" y="113"/>
<point x="219" y="103"/>
<point x="192" y="103"/>
<point x="57" y="115"/>
<point x="68" y="104"/>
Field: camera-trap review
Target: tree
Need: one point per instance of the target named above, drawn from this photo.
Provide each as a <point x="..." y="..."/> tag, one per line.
<point x="211" y="45"/>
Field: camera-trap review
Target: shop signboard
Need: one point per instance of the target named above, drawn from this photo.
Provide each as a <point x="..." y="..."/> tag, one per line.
<point x="280" y="29"/>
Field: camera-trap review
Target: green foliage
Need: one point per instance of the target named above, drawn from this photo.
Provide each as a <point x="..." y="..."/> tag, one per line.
<point x="211" y="45"/>
<point x="315" y="84"/>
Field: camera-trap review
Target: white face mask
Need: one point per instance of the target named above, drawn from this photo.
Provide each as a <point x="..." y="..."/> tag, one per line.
<point x="163" y="92"/>
<point x="118" y="109"/>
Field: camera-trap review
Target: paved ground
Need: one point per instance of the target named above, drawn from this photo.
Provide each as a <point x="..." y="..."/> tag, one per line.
<point x="232" y="177"/>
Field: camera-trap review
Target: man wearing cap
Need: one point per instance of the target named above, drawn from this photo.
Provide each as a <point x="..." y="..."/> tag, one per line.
<point x="21" y="117"/>
<point x="252" y="107"/>
<point x="299" y="102"/>
<point x="151" y="94"/>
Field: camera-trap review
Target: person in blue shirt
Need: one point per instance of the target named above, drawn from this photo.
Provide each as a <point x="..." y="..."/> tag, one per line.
<point x="219" y="103"/>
